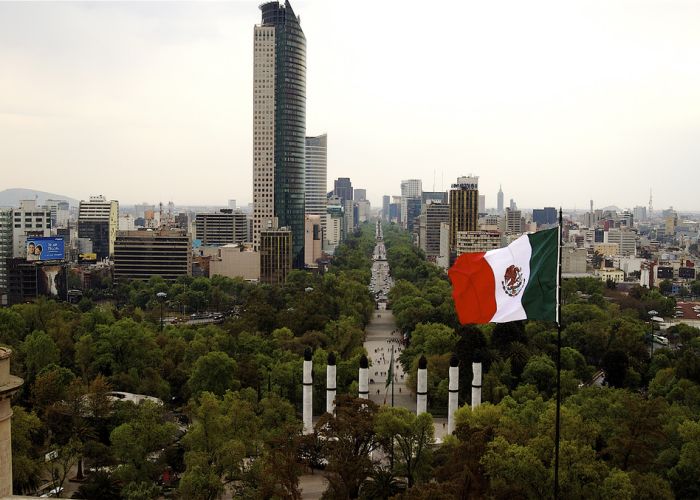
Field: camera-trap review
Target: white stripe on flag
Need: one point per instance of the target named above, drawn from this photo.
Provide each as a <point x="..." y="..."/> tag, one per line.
<point x="517" y="253"/>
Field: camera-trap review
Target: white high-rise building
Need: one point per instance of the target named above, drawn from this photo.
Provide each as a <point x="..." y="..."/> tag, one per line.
<point x="263" y="131"/>
<point x="316" y="180"/>
<point x="98" y="220"/>
<point x="500" y="201"/>
<point x="279" y="125"/>
<point x="411" y="188"/>
<point x="29" y="220"/>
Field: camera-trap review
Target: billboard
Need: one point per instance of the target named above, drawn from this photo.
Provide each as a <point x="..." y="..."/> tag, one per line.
<point x="664" y="273"/>
<point x="51" y="280"/>
<point x="686" y="272"/>
<point x="87" y="257"/>
<point x="45" y="248"/>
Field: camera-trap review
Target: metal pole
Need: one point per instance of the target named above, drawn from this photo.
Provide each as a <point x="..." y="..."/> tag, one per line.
<point x="557" y="423"/>
<point x="392" y="375"/>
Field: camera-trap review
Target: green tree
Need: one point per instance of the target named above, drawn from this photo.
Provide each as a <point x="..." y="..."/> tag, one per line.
<point x="408" y="437"/>
<point x="26" y="427"/>
<point x="134" y="441"/>
<point x="349" y="439"/>
<point x="214" y="372"/>
<point x="38" y="350"/>
<point x="685" y="475"/>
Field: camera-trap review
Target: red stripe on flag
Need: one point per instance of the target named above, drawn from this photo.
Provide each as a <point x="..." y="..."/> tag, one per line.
<point x="473" y="288"/>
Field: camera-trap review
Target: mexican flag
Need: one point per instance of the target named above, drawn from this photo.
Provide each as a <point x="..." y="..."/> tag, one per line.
<point x="517" y="282"/>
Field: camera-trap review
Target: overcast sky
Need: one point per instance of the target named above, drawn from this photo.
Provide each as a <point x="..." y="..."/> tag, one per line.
<point x="558" y="101"/>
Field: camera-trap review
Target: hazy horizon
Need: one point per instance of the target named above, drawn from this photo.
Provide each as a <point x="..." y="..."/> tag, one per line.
<point x="560" y="102"/>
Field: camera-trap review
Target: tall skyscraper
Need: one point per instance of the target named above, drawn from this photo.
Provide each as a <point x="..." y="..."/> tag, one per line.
<point x="360" y="194"/>
<point x="500" y="201"/>
<point x="410" y="188"/>
<point x="316" y="175"/>
<point x="279" y="125"/>
<point x="98" y="220"/>
<point x="464" y="207"/>
<point x="385" y="207"/>
<point x="342" y="188"/>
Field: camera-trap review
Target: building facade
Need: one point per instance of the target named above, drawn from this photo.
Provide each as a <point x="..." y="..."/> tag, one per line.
<point x="316" y="175"/>
<point x="275" y="255"/>
<point x="545" y="216"/>
<point x="464" y="207"/>
<point x="499" y="201"/>
<point x="410" y="188"/>
<point x="435" y="214"/>
<point x="29" y="220"/>
<point x="313" y="246"/>
<point x="5" y="250"/>
<point x="221" y="228"/>
<point x="98" y="220"/>
<point x="279" y="124"/>
<point x="235" y="261"/>
<point x="477" y="241"/>
<point x="342" y="188"/>
<point x="138" y="255"/>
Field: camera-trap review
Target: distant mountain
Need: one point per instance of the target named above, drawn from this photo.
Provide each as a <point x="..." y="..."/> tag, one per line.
<point x="12" y="197"/>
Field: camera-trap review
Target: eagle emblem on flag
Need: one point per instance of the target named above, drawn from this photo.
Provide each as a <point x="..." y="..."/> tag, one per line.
<point x="513" y="281"/>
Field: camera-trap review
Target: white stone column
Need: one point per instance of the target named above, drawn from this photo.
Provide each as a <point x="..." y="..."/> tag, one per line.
<point x="453" y="395"/>
<point x="307" y="415"/>
<point x="476" y="385"/>
<point x="363" y="381"/>
<point x="330" y="383"/>
<point x="9" y="384"/>
<point x="422" y="386"/>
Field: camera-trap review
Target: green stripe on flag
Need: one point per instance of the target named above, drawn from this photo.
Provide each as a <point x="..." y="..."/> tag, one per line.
<point x="540" y="295"/>
<point x="390" y="373"/>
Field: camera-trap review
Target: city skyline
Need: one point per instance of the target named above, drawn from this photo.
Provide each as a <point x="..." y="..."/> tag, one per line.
<point x="155" y="97"/>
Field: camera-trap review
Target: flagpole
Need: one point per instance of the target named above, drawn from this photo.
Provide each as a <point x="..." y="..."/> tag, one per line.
<point x="557" y="423"/>
<point x="392" y="375"/>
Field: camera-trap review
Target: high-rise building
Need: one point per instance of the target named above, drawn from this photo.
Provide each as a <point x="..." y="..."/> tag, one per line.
<point x="477" y="241"/>
<point x="222" y="227"/>
<point x="513" y="205"/>
<point x="29" y="220"/>
<point x="5" y="250"/>
<point x="138" y="255"/>
<point x="316" y="174"/>
<point x="342" y="188"/>
<point x="464" y="207"/>
<point x="98" y="220"/>
<point x="513" y="222"/>
<point x="275" y="255"/>
<point x="333" y="225"/>
<point x="386" y="201"/>
<point x="232" y="204"/>
<point x="544" y="216"/>
<point x="482" y="203"/>
<point x="499" y="198"/>
<point x="436" y="214"/>
<point x="413" y="210"/>
<point x="360" y="194"/>
<point x="410" y="188"/>
<point x="639" y="213"/>
<point x="279" y="125"/>
<point x="60" y="212"/>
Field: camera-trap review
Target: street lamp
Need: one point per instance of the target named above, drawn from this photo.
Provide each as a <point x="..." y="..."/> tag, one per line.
<point x="652" y="314"/>
<point x="161" y="298"/>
